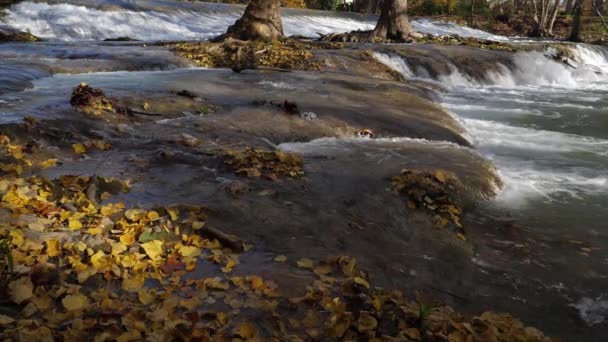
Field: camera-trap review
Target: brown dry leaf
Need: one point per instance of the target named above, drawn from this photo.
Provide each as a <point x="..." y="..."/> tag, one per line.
<point x="173" y="264"/>
<point x="245" y="330"/>
<point x="5" y="320"/>
<point x="21" y="289"/>
<point x="366" y="322"/>
<point x="412" y="333"/>
<point x="133" y="283"/>
<point x="146" y="296"/>
<point x="257" y="282"/>
<point x="305" y="263"/>
<point x="440" y="176"/>
<point x="75" y="302"/>
<point x="361" y="281"/>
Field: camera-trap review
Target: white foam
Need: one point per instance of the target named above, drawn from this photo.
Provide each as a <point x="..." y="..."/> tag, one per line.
<point x="493" y="134"/>
<point x="592" y="56"/>
<point x="528" y="178"/>
<point x="396" y="63"/>
<point x="74" y="22"/>
<point x="592" y="311"/>
<point x="448" y="28"/>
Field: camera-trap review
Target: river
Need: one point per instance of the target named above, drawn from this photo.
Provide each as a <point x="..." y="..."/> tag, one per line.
<point x="543" y="124"/>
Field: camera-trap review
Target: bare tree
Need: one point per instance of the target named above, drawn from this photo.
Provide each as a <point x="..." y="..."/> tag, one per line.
<point x="544" y="16"/>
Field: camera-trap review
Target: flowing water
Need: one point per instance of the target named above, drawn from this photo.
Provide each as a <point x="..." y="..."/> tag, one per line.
<point x="542" y="123"/>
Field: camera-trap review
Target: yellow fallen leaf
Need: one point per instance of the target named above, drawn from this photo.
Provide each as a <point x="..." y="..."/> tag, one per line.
<point x="48" y="163"/>
<point x="174" y="213"/>
<point x="153" y="215"/>
<point x="101" y="262"/>
<point x="305" y="263"/>
<point x="21" y="289"/>
<point x="127" y="239"/>
<point x="440" y="176"/>
<point x="190" y="251"/>
<point x="79" y="148"/>
<point x="75" y="302"/>
<point x="16" y="237"/>
<point x="94" y="231"/>
<point x="197" y="225"/>
<point x="74" y="224"/>
<point x="154" y="249"/>
<point x="53" y="248"/>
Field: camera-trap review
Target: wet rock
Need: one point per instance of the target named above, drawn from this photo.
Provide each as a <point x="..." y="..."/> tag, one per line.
<point x="8" y="34"/>
<point x="188" y="140"/>
<point x="121" y="39"/>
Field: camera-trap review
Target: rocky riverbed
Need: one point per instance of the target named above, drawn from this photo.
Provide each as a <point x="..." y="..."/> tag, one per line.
<point x="250" y="188"/>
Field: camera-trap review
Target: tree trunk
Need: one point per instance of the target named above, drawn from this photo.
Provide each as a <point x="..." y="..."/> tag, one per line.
<point x="393" y="23"/>
<point x="471" y="16"/>
<point x="261" y="21"/>
<point x="569" y="6"/>
<point x="553" y="16"/>
<point x="575" y="34"/>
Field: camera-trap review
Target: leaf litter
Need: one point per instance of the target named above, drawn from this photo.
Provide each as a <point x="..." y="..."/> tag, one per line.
<point x="79" y="267"/>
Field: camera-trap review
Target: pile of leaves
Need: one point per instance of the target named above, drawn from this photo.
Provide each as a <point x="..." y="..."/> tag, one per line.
<point x="16" y="158"/>
<point x="79" y="265"/>
<point x="238" y="55"/>
<point x="435" y="192"/>
<point x="256" y="163"/>
<point x="93" y="101"/>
